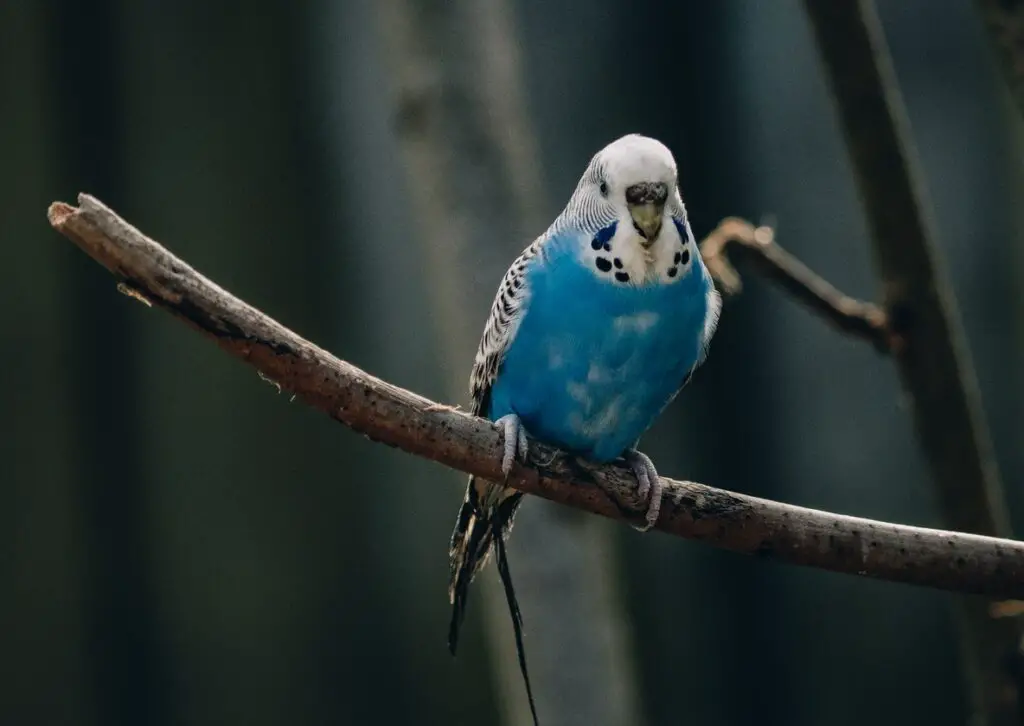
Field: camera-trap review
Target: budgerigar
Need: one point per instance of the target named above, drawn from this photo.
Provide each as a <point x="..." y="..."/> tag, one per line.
<point x="595" y="328"/>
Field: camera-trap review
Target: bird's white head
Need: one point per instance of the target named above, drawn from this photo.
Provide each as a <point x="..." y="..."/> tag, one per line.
<point x="633" y="181"/>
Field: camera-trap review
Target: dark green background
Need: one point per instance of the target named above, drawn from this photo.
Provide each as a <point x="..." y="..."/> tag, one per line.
<point x="181" y="545"/>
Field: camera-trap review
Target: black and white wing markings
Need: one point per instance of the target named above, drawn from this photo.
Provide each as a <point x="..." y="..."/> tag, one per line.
<point x="499" y="331"/>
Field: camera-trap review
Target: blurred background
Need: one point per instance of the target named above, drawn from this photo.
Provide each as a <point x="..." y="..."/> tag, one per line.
<point x="179" y="544"/>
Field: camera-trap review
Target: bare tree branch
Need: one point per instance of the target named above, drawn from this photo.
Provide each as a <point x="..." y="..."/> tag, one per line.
<point x="927" y="340"/>
<point x="1004" y="20"/>
<point x="930" y="351"/>
<point x="757" y="245"/>
<point x="391" y="415"/>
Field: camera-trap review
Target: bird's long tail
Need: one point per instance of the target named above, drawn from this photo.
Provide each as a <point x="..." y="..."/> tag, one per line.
<point x="485" y="521"/>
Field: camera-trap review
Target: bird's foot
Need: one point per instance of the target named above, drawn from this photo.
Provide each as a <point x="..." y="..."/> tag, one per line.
<point x="515" y="442"/>
<point x="649" y="485"/>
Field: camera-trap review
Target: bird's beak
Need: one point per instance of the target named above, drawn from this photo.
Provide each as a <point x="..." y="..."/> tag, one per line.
<point x="646" y="202"/>
<point x="647" y="220"/>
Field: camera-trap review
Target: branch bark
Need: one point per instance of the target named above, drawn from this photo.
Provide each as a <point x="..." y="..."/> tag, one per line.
<point x="927" y="339"/>
<point x="383" y="412"/>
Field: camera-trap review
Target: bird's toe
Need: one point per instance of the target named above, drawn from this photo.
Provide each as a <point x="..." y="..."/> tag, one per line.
<point x="649" y="486"/>
<point x="514" y="441"/>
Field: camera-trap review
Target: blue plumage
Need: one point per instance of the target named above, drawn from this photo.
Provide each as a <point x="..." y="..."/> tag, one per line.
<point x="593" y="362"/>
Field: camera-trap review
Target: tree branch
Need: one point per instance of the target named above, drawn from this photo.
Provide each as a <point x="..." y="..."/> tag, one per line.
<point x="929" y="349"/>
<point x="399" y="418"/>
<point x="927" y="341"/>
<point x="757" y="246"/>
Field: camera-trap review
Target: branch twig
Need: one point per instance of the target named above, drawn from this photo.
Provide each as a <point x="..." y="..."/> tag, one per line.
<point x="757" y="245"/>
<point x="386" y="413"/>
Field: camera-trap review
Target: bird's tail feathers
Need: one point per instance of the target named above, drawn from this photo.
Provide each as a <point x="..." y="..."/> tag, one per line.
<point x="488" y="508"/>
<point x="485" y="521"/>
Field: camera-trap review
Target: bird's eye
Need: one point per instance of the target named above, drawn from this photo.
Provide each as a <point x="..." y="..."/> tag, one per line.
<point x="604" y="188"/>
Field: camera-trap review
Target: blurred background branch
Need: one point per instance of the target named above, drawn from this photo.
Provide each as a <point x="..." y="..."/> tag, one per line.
<point x="928" y="343"/>
<point x="757" y="246"/>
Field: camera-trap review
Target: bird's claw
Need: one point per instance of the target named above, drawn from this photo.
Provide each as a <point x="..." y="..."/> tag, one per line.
<point x="515" y="444"/>
<point x="649" y="485"/>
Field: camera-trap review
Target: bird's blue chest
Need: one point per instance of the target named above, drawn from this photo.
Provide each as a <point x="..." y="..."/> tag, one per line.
<point x="593" y="363"/>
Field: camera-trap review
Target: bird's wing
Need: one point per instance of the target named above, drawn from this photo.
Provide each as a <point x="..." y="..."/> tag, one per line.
<point x="714" y="310"/>
<point x="488" y="508"/>
<point x="713" y="301"/>
<point x="507" y="312"/>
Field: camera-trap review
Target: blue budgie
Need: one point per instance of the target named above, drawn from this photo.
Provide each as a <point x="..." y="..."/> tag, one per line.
<point x="595" y="328"/>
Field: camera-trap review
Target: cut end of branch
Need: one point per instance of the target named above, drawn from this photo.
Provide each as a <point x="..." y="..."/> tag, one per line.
<point x="58" y="214"/>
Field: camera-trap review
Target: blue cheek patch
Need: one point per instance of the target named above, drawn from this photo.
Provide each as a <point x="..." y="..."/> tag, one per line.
<point x="602" y="238"/>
